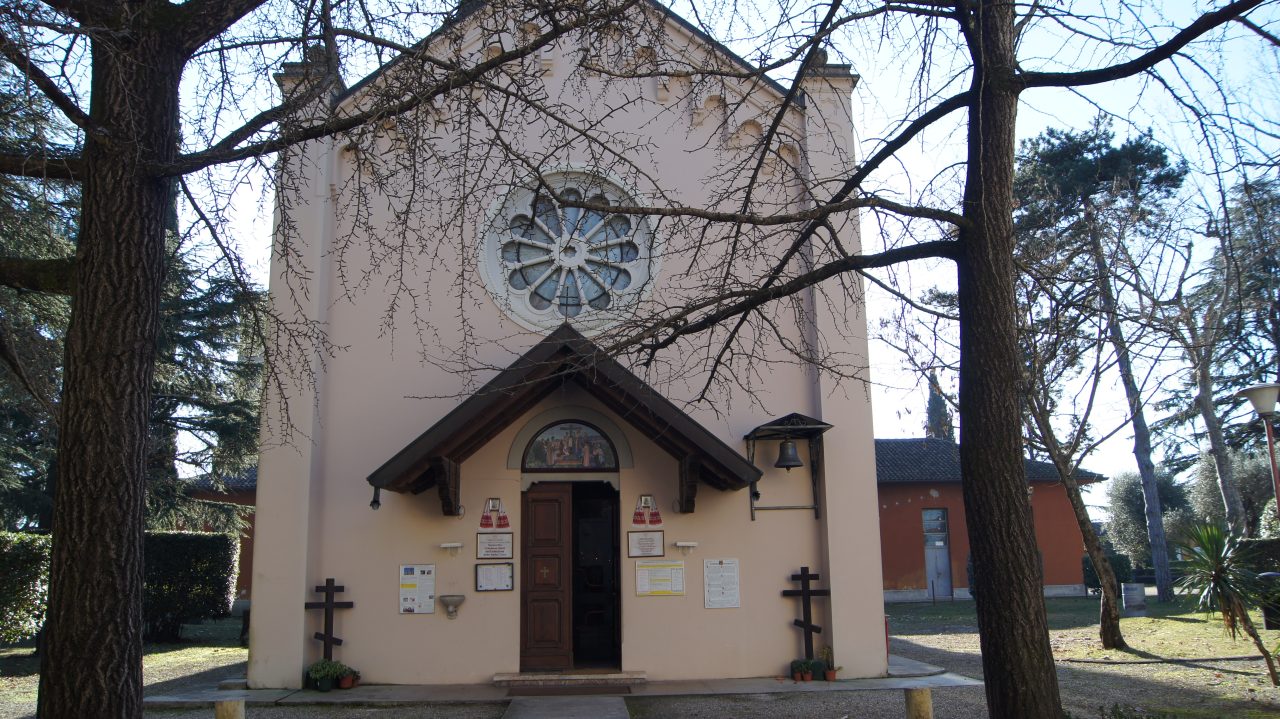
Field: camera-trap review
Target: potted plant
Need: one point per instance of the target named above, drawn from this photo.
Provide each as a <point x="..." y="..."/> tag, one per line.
<point x="350" y="680"/>
<point x="829" y="658"/>
<point x="325" y="672"/>
<point x="818" y="668"/>
<point x="798" y="668"/>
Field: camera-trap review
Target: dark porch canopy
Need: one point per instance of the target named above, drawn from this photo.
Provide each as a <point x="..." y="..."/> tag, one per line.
<point x="433" y="460"/>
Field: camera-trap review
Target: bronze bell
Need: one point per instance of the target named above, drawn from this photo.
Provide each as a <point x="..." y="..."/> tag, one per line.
<point x="787" y="455"/>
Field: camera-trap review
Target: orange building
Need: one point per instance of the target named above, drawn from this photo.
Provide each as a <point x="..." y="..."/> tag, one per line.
<point x="923" y="537"/>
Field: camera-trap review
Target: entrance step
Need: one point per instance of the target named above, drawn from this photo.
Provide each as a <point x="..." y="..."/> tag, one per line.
<point x="570" y="679"/>
<point x="567" y="708"/>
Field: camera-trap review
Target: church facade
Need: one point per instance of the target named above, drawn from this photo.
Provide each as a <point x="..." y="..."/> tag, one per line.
<point x="493" y="490"/>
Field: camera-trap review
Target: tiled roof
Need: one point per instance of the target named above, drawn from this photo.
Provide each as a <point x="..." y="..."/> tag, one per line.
<point x="927" y="459"/>
<point x="244" y="482"/>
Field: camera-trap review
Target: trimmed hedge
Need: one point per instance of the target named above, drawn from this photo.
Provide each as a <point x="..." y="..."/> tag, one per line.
<point x="24" y="585"/>
<point x="1120" y="564"/>
<point x="188" y="577"/>
<point x="1264" y="554"/>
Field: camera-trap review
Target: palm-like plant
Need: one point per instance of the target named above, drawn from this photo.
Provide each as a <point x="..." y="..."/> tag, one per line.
<point x="1217" y="574"/>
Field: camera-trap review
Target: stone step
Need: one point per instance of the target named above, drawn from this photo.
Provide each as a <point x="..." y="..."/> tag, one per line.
<point x="569" y="679"/>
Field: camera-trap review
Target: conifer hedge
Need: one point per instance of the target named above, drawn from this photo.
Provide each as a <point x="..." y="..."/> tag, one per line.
<point x="188" y="577"/>
<point x="24" y="584"/>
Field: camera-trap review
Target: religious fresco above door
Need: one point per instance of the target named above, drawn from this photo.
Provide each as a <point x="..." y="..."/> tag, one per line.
<point x="569" y="446"/>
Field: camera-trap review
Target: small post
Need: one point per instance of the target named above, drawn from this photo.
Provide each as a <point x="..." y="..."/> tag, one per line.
<point x="919" y="703"/>
<point x="231" y="709"/>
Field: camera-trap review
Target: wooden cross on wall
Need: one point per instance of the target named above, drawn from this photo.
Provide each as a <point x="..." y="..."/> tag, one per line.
<point x="806" y="594"/>
<point x="330" y="590"/>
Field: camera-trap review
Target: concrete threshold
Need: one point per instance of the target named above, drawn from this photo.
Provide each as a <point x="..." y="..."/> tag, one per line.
<point x="904" y="674"/>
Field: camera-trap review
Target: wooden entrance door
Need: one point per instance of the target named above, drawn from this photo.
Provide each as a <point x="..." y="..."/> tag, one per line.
<point x="546" y="607"/>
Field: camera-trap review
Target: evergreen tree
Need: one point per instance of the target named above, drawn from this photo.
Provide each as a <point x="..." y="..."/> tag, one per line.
<point x="1127" y="526"/>
<point x="938" y="422"/>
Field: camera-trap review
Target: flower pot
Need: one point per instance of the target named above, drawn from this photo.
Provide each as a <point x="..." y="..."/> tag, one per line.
<point x="808" y="676"/>
<point x="346" y="681"/>
<point x="829" y="675"/>
<point x="324" y="684"/>
<point x="797" y="676"/>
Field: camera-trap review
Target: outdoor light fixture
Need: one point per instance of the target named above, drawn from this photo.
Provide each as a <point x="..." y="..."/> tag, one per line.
<point x="685" y="547"/>
<point x="452" y="547"/>
<point x="377" y="499"/>
<point x="1263" y="397"/>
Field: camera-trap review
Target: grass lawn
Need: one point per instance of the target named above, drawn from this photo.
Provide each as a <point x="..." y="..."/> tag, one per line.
<point x="1171" y="631"/>
<point x="208" y="652"/>
<point x="1148" y="675"/>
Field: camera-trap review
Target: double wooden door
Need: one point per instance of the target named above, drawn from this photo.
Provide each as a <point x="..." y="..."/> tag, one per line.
<point x="570" y="608"/>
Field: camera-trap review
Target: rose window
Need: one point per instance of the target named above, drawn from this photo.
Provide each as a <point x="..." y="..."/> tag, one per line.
<point x="556" y="262"/>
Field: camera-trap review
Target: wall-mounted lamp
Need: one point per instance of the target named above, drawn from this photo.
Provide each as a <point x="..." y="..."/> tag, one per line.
<point x="451" y="603"/>
<point x="452" y="547"/>
<point x="685" y="547"/>
<point x="377" y="499"/>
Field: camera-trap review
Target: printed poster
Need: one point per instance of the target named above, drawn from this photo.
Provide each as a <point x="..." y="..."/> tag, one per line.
<point x="659" y="578"/>
<point x="417" y="589"/>
<point x="720" y="582"/>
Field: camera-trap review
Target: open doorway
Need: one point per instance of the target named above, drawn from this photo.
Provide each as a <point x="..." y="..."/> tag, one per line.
<point x="570" y="590"/>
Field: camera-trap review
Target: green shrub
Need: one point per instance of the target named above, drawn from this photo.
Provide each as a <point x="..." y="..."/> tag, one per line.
<point x="327" y="669"/>
<point x="24" y="584"/>
<point x="1263" y="554"/>
<point x="189" y="577"/>
<point x="1120" y="564"/>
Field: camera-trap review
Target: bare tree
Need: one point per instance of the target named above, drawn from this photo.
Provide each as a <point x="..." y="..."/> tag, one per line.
<point x="1067" y="359"/>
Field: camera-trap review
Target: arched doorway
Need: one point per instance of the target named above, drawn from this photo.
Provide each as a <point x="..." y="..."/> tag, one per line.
<point x="570" y="589"/>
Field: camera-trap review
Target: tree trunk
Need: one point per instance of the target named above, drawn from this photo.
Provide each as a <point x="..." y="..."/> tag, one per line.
<point x="1017" y="662"/>
<point x="1141" y="432"/>
<point x="1252" y="631"/>
<point x="92" y="666"/>
<point x="1236" y="519"/>
<point x="1109" y="613"/>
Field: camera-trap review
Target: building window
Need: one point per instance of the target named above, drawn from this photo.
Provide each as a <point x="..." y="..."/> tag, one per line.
<point x="570" y="447"/>
<point x="549" y="262"/>
<point x="935" y="526"/>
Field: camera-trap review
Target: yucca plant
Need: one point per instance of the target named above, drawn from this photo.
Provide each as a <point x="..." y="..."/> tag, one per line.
<point x="1217" y="574"/>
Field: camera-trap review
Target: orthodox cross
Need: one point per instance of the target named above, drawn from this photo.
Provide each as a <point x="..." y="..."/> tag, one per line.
<point x="806" y="594"/>
<point x="329" y="589"/>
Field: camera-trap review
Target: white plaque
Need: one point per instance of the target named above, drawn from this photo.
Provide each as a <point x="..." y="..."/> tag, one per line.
<point x="495" y="577"/>
<point x="494" y="546"/>
<point x="659" y="578"/>
<point x="645" y="544"/>
<point x="417" y="589"/>
<point x="720" y="582"/>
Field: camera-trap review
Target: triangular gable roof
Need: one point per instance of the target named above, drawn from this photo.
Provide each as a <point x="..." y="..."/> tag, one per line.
<point x="433" y="459"/>
<point x="929" y="459"/>
<point x="469" y="7"/>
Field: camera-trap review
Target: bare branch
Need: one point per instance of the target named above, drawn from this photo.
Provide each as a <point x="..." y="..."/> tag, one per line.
<point x="41" y="167"/>
<point x="52" y="276"/>
<point x="1146" y="61"/>
<point x="14" y="54"/>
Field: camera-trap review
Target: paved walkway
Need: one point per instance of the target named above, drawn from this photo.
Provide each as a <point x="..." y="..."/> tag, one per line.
<point x="903" y="674"/>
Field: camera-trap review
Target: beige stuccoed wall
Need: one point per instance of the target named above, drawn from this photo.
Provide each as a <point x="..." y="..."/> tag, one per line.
<point x="378" y="391"/>
<point x="665" y="637"/>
